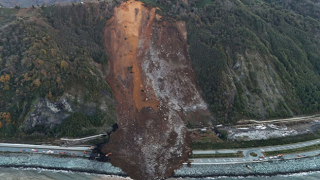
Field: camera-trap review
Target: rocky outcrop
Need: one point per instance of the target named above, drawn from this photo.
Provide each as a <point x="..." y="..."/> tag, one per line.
<point x="154" y="85"/>
<point x="44" y="113"/>
<point x="47" y="113"/>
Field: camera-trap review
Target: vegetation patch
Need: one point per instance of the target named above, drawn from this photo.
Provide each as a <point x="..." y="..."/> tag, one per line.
<point x="155" y="4"/>
<point x="206" y="136"/>
<point x="235" y="155"/>
<point x="203" y="3"/>
<point x="8" y="11"/>
<point x="253" y="154"/>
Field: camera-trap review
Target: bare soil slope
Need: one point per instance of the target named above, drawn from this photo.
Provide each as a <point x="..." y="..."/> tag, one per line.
<point x="154" y="85"/>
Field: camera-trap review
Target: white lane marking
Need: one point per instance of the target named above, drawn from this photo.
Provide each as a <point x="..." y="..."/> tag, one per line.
<point x="216" y="160"/>
<point x="209" y="160"/>
<point x="201" y="160"/>
<point x="224" y="160"/>
<point x="243" y="160"/>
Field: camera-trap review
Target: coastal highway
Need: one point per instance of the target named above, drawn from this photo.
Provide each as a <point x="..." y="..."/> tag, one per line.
<point x="258" y="151"/>
<point x="305" y="118"/>
<point x="31" y="146"/>
<point x="250" y="159"/>
<point x="45" y="149"/>
<point x="79" y="151"/>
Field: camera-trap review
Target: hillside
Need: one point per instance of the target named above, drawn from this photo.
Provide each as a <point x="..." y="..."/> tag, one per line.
<point x="254" y="59"/>
<point x="30" y="3"/>
<point x="52" y="71"/>
<point x="155" y="68"/>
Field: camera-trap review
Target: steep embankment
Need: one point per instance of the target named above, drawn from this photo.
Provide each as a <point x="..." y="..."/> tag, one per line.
<point x="154" y="85"/>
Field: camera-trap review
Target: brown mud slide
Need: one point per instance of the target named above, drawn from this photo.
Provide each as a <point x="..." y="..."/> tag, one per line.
<point x="154" y="85"/>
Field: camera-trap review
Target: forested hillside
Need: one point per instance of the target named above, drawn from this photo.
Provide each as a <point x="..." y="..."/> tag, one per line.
<point x="53" y="66"/>
<point x="252" y="58"/>
<point x="36" y="3"/>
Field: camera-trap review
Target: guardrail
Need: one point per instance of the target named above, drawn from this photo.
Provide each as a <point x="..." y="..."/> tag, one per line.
<point x="82" y="139"/>
<point x="42" y="147"/>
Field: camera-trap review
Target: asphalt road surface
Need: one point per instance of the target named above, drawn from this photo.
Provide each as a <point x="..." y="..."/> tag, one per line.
<point x="258" y="151"/>
<point x="250" y="159"/>
<point x="45" y="149"/>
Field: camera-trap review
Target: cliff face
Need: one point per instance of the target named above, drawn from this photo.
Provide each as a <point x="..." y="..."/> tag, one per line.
<point x="154" y="86"/>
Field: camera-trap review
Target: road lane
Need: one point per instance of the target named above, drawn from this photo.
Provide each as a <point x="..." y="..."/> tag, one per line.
<point x="45" y="149"/>
<point x="259" y="149"/>
<point x="256" y="159"/>
<point x="31" y="146"/>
